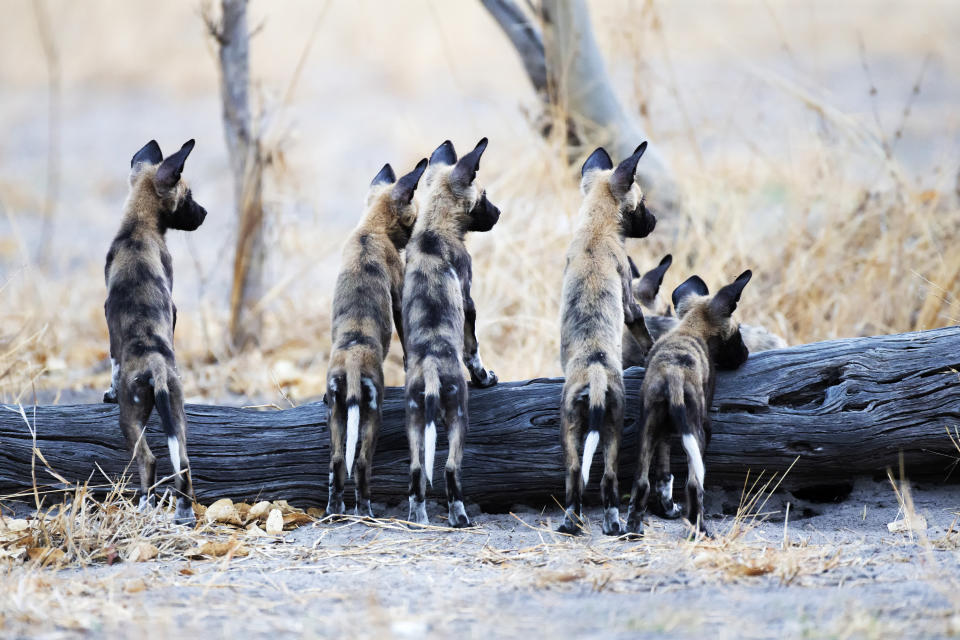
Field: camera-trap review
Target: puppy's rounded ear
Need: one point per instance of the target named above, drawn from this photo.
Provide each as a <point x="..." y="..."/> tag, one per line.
<point x="445" y="154"/>
<point x="725" y="302"/>
<point x="149" y="153"/>
<point x="403" y="191"/>
<point x="168" y="174"/>
<point x="692" y="286"/>
<point x="465" y="172"/>
<point x="623" y="176"/>
<point x="384" y="176"/>
<point x="599" y="160"/>
<point x="651" y="280"/>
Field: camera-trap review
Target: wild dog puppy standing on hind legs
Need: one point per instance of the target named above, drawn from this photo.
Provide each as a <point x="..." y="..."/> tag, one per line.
<point x="439" y="321"/>
<point x="141" y="316"/>
<point x="678" y="391"/>
<point x="367" y="296"/>
<point x="597" y="300"/>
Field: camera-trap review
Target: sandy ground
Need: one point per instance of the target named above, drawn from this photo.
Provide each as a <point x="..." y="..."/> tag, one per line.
<point x="838" y="572"/>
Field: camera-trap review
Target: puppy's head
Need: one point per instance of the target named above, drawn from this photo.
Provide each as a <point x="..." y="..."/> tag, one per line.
<point x="455" y="181"/>
<point x="646" y="287"/>
<point x="392" y="201"/>
<point x="617" y="191"/>
<point x="177" y="208"/>
<point x="711" y="317"/>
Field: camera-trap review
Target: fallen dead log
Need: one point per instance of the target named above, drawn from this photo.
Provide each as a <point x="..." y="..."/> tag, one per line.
<point x="840" y="409"/>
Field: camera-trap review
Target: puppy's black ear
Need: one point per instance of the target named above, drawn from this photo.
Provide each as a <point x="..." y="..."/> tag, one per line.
<point x="623" y="175"/>
<point x="466" y="170"/>
<point x="599" y="160"/>
<point x="634" y="272"/>
<point x="150" y="154"/>
<point x="692" y="286"/>
<point x="654" y="278"/>
<point x="385" y="176"/>
<point x="444" y="154"/>
<point x="403" y="191"/>
<point x="725" y="302"/>
<point x="170" y="169"/>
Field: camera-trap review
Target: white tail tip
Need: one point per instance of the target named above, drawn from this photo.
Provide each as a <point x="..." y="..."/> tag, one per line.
<point x="353" y="430"/>
<point x="429" y="450"/>
<point x="694" y="459"/>
<point x="174" y="446"/>
<point x="589" y="448"/>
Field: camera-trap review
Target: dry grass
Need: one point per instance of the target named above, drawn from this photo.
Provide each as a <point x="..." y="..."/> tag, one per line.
<point x="844" y="240"/>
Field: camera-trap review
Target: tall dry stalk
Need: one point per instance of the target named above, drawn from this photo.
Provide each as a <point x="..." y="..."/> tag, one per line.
<point x="246" y="163"/>
<point x="51" y="55"/>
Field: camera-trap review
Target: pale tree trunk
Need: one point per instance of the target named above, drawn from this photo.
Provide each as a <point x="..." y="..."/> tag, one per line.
<point x="567" y="70"/>
<point x="246" y="162"/>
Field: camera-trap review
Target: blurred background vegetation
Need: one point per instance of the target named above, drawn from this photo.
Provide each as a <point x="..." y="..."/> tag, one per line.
<point x="814" y="142"/>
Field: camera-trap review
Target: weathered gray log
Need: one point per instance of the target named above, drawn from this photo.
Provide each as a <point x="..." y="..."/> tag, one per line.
<point x="843" y="408"/>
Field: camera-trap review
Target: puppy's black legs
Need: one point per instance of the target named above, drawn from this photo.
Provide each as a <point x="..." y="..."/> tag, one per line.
<point x="610" y="486"/>
<point x="336" y="399"/>
<point x="456" y="417"/>
<point x="571" y="426"/>
<point x="418" y="481"/>
<point x="135" y="407"/>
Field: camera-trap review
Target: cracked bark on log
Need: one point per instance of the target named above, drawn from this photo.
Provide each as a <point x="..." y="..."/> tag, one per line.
<point x="843" y="408"/>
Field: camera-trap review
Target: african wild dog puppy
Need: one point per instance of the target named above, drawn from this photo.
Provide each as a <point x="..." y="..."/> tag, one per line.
<point x="141" y="315"/>
<point x="597" y="300"/>
<point x="678" y="391"/>
<point x="660" y="320"/>
<point x="439" y="322"/>
<point x="646" y="292"/>
<point x="366" y="298"/>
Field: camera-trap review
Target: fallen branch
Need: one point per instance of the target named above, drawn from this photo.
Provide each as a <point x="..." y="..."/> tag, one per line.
<point x="840" y="409"/>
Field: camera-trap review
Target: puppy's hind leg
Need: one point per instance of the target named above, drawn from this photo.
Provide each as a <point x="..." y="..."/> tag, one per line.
<point x="456" y="418"/>
<point x="571" y="426"/>
<point x="174" y="418"/>
<point x="641" y="479"/>
<point x="418" y="482"/>
<point x="663" y="504"/>
<point x="610" y="486"/>
<point x="370" y="429"/>
<point x="336" y="400"/>
<point x="135" y="407"/>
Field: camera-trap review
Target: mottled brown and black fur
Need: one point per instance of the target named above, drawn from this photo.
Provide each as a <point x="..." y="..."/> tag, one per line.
<point x="656" y="311"/>
<point x="141" y="315"/>
<point x="439" y="321"/>
<point x="597" y="300"/>
<point x="366" y="307"/>
<point x="678" y="391"/>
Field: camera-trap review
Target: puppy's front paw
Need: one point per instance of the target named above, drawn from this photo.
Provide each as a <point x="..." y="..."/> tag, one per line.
<point x="110" y="396"/>
<point x="488" y="380"/>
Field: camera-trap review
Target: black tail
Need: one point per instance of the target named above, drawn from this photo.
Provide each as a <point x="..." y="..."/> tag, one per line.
<point x="161" y="398"/>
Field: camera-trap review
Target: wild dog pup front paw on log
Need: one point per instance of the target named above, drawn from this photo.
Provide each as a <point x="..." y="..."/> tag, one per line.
<point x="597" y="300"/>
<point x="366" y="305"/>
<point x="678" y="391"/>
<point x="141" y="315"/>
<point x="439" y="322"/>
